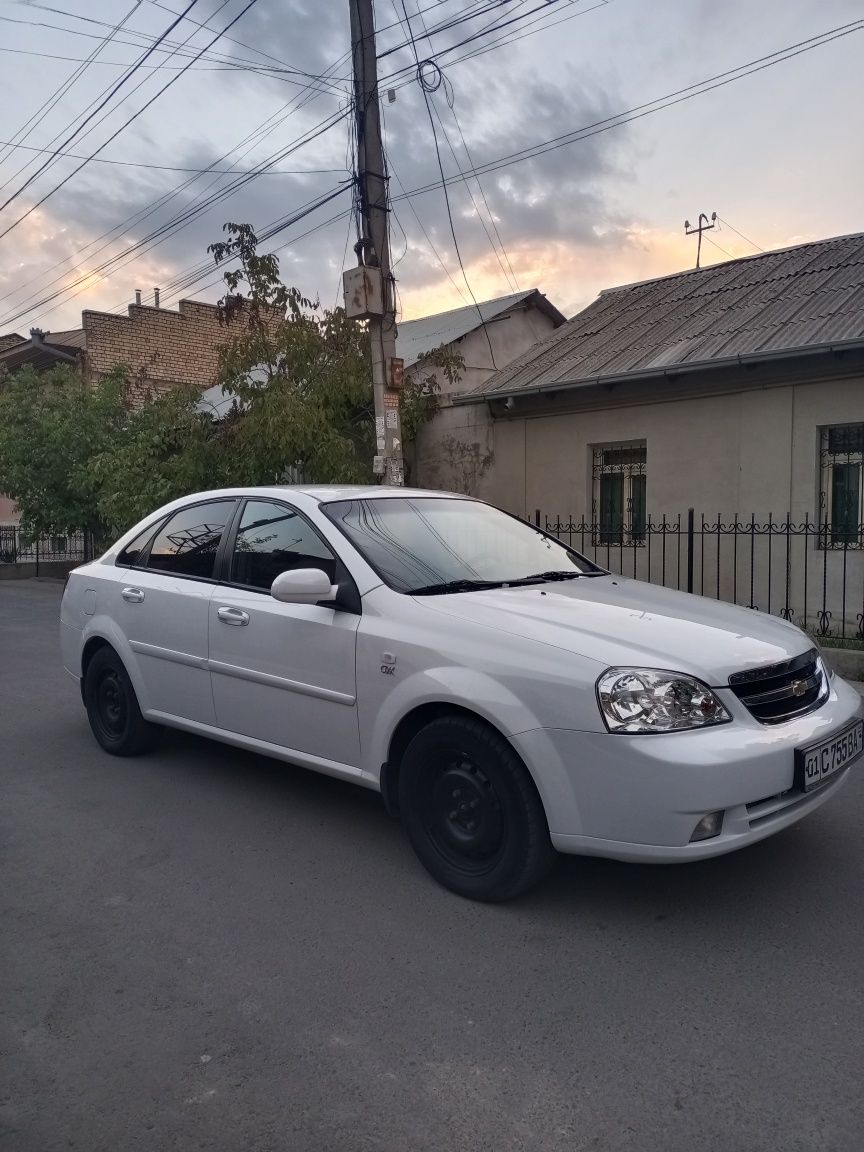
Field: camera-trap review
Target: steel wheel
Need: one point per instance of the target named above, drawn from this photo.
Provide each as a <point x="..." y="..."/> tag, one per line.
<point x="471" y="810"/>
<point x="465" y="823"/>
<point x="112" y="707"/>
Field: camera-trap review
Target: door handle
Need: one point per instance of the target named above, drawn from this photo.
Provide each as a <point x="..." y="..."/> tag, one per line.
<point x="235" y="616"/>
<point x="132" y="595"/>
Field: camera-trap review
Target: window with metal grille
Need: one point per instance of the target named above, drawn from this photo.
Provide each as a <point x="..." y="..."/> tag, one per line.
<point x="841" y="486"/>
<point x="618" y="497"/>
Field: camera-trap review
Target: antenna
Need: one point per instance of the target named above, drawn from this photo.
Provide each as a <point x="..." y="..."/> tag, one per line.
<point x="700" y="228"/>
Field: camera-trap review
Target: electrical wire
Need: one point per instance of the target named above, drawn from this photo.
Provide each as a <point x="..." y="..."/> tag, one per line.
<point x="141" y="83"/>
<point x="424" y="90"/>
<point x="422" y="227"/>
<point x="259" y="70"/>
<point x="115" y="88"/>
<point x="160" y="234"/>
<point x="509" y="276"/>
<point x="145" y="38"/>
<point x="752" y="243"/>
<point x="248" y="47"/>
<point x="114" y="135"/>
<point x="659" y="104"/>
<point x="175" y="168"/>
<point x="714" y="244"/>
<point x="45" y="108"/>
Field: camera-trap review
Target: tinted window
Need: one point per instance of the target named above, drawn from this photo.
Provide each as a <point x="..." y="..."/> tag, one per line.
<point x="131" y="554"/>
<point x="187" y="545"/>
<point x="273" y="539"/>
<point x="413" y="543"/>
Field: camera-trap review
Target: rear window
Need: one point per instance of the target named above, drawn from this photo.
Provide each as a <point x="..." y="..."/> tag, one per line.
<point x="134" y="551"/>
<point x="188" y="543"/>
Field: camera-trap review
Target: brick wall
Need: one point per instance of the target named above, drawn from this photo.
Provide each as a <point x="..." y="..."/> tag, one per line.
<point x="163" y="348"/>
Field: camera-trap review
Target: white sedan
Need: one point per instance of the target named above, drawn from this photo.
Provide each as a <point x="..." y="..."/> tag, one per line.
<point x="506" y="696"/>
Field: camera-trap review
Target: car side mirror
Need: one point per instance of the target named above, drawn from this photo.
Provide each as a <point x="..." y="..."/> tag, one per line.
<point x="303" y="586"/>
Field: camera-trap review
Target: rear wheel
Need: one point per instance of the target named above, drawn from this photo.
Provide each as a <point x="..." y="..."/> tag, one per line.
<point x="472" y="812"/>
<point x="112" y="707"/>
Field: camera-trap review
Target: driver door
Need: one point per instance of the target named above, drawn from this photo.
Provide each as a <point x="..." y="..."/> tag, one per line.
<point x="283" y="673"/>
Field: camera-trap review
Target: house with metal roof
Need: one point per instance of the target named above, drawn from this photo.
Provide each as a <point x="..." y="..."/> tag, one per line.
<point x="488" y="336"/>
<point x="724" y="382"/>
<point x="736" y="390"/>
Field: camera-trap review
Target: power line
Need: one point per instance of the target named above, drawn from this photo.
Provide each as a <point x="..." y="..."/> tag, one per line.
<point x="424" y="90"/>
<point x="258" y="134"/>
<point x="114" y="135"/>
<point x="714" y="244"/>
<point x="422" y="227"/>
<point x="112" y="92"/>
<point x="175" y="168"/>
<point x="145" y="38"/>
<point x="161" y="233"/>
<point x="511" y="37"/>
<point x="655" y="105"/>
<point x="752" y="243"/>
<point x="451" y="103"/>
<point x="29" y="125"/>
<point x="658" y="104"/>
<point x="234" y="66"/>
<point x="242" y="44"/>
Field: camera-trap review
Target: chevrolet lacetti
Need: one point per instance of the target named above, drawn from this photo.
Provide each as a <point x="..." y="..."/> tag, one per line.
<point x="507" y="697"/>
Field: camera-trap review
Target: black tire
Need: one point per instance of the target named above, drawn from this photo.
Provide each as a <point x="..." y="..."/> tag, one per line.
<point x="472" y="812"/>
<point x="112" y="707"/>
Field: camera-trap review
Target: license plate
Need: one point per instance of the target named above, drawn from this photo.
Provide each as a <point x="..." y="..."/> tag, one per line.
<point x="818" y="763"/>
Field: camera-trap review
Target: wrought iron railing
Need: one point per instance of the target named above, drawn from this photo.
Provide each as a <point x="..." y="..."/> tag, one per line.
<point x="20" y="547"/>
<point x="800" y="569"/>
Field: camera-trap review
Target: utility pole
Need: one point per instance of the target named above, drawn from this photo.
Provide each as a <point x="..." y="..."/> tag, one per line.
<point x="700" y="228"/>
<point x="369" y="291"/>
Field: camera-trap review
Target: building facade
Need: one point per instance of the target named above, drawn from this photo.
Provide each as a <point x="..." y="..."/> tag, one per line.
<point x="737" y="391"/>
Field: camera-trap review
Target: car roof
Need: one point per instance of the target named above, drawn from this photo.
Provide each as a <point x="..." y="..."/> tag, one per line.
<point x="324" y="493"/>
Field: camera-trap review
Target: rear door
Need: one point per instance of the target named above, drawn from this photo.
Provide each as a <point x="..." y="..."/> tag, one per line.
<point x="161" y="604"/>
<point x="283" y="673"/>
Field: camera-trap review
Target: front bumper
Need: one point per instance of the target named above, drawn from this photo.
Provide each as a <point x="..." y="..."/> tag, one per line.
<point x="640" y="797"/>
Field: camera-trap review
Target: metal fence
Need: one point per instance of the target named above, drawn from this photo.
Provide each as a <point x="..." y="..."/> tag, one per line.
<point x="19" y="547"/>
<point x="802" y="570"/>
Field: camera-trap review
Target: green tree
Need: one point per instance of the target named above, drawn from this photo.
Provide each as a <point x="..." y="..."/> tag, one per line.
<point x="302" y="377"/>
<point x="52" y="426"/>
<point x="75" y="455"/>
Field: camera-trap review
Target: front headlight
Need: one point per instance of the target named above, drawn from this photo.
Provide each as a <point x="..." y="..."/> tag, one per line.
<point x="643" y="700"/>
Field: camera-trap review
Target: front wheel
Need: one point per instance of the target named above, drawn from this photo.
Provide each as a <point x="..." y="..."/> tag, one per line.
<point x="112" y="707"/>
<point x="472" y="812"/>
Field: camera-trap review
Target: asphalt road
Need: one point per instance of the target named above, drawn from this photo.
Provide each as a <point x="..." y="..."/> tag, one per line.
<point x="204" y="949"/>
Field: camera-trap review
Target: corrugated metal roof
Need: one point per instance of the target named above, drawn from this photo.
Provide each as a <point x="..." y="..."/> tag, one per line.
<point x="71" y="338"/>
<point x="780" y="301"/>
<point x="417" y="338"/>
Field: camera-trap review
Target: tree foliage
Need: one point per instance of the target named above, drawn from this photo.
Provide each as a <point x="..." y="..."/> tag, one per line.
<point x="52" y="427"/>
<point x="75" y="455"/>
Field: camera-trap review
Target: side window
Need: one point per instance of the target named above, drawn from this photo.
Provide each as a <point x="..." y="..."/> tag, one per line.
<point x="187" y="544"/>
<point x="271" y="539"/>
<point x="132" y="553"/>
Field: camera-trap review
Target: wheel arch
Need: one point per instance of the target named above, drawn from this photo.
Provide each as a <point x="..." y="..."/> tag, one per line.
<point x="92" y="646"/>
<point x="408" y="727"/>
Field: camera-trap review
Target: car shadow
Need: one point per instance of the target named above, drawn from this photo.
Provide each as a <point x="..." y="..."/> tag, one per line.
<point x="772" y="878"/>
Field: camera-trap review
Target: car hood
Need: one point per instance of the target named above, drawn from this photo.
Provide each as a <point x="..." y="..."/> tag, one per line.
<point x="618" y="621"/>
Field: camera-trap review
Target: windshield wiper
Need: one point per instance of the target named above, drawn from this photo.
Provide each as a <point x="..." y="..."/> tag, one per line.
<point x="566" y="574"/>
<point x="455" y="586"/>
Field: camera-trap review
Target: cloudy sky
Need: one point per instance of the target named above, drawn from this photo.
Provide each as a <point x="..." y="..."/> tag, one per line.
<point x="775" y="154"/>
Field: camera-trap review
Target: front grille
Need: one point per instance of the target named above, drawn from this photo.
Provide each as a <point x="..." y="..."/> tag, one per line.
<point x="782" y="691"/>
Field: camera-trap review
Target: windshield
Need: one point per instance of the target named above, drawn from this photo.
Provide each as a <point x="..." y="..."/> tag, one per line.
<point x="427" y="544"/>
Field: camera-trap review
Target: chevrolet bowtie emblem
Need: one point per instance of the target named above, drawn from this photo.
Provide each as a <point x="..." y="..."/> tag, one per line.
<point x="798" y="687"/>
